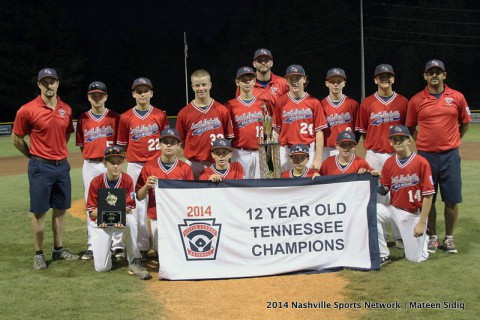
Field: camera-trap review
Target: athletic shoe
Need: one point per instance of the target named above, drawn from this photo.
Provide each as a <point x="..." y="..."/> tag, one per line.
<point x="384" y="260"/>
<point x="136" y="268"/>
<point x="144" y="255"/>
<point x="64" y="254"/>
<point x="39" y="262"/>
<point x="399" y="244"/>
<point x="119" y="254"/>
<point x="432" y="244"/>
<point x="449" y="245"/>
<point x="88" y="255"/>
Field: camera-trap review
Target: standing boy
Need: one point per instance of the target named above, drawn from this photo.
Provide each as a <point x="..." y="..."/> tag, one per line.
<point x="222" y="169"/>
<point x="299" y="118"/>
<point x="102" y="235"/>
<point x="139" y="130"/>
<point x="48" y="122"/>
<point x="408" y="177"/>
<point x="96" y="130"/>
<point x="201" y="122"/>
<point x="378" y="113"/>
<point x="340" y="110"/>
<point x="247" y="113"/>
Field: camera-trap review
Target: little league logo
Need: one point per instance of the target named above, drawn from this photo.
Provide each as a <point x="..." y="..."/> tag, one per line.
<point x="200" y="238"/>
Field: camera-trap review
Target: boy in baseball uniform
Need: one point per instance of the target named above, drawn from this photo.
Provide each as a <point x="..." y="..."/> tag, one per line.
<point x="96" y="130"/>
<point x="408" y="178"/>
<point x="167" y="167"/>
<point x="346" y="161"/>
<point x="102" y="235"/>
<point x="222" y="169"/>
<point x="299" y="157"/>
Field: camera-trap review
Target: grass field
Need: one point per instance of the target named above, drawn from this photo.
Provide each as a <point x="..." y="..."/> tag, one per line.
<point x="74" y="290"/>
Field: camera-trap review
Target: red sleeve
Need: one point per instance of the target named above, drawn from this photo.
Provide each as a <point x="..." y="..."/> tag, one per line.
<point x="122" y="132"/>
<point x="20" y="126"/>
<point x="92" y="198"/>
<point x="180" y="125"/>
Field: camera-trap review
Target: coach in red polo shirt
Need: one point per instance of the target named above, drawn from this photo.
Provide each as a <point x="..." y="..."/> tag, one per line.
<point x="48" y="122"/>
<point x="438" y="118"/>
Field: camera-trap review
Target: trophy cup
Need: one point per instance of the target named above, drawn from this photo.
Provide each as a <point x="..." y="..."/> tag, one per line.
<point x="268" y="148"/>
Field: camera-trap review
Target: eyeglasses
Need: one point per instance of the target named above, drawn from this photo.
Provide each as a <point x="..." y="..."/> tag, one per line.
<point x="432" y="72"/>
<point x="140" y="91"/>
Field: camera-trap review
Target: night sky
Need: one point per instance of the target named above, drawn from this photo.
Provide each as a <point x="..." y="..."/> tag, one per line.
<point x="123" y="39"/>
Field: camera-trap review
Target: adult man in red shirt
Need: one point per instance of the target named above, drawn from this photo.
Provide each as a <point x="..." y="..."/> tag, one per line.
<point x="48" y="121"/>
<point x="268" y="86"/>
<point x="442" y="115"/>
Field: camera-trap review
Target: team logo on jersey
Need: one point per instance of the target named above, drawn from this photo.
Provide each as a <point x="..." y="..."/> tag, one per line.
<point x="402" y="181"/>
<point x="449" y="101"/>
<point x="273" y="90"/>
<point x="97" y="133"/>
<point x="200" y="238"/>
<point x="383" y="117"/>
<point x="337" y="119"/>
<point x="62" y="113"/>
<point x="248" y="118"/>
<point x="205" y="125"/>
<point x="143" y="131"/>
<point x="297" y="114"/>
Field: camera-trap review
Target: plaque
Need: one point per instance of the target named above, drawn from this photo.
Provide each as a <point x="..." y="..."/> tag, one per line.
<point x="111" y="206"/>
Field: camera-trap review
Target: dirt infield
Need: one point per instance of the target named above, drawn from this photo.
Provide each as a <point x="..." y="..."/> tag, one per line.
<point x="245" y="298"/>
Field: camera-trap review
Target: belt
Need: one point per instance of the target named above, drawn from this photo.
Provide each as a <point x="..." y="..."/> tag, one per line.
<point x="48" y="161"/>
<point x="100" y="159"/>
<point x="247" y="149"/>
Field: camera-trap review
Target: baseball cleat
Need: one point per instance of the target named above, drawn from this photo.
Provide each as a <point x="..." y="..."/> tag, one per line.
<point x="384" y="260"/>
<point x="449" y="245"/>
<point x="88" y="255"/>
<point x="64" y="254"/>
<point x="432" y="244"/>
<point x="39" y="262"/>
<point x="136" y="268"/>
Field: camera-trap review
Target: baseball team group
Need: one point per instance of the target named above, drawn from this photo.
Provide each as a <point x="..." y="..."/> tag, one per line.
<point x="221" y="141"/>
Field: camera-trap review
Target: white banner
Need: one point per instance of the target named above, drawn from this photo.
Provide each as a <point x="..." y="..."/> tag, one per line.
<point x="245" y="228"/>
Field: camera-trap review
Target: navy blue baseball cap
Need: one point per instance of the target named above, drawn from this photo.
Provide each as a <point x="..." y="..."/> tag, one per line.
<point x="346" y="136"/>
<point x="169" y="132"/>
<point x="142" y="82"/>
<point x="115" y="151"/>
<point x="336" y="72"/>
<point x="262" y="52"/>
<point x="47" y="72"/>
<point x="299" y="148"/>
<point x="399" y="131"/>
<point x="97" y="86"/>
<point x="435" y="63"/>
<point x="222" y="144"/>
<point x="295" y="69"/>
<point x="383" y="68"/>
<point x="245" y="70"/>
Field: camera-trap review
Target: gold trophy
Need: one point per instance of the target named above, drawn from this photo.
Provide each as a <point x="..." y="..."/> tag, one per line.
<point x="268" y="147"/>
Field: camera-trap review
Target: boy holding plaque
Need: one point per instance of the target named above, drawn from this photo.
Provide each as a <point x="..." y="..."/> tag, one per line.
<point x="102" y="231"/>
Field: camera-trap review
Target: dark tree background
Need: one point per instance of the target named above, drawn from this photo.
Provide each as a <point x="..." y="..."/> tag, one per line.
<point x="118" y="41"/>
